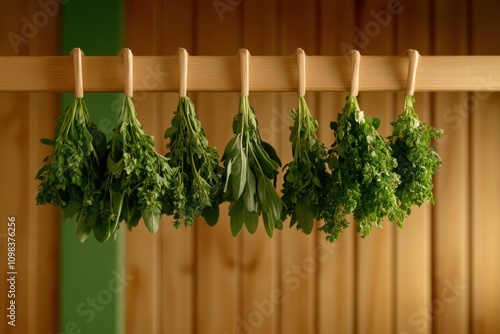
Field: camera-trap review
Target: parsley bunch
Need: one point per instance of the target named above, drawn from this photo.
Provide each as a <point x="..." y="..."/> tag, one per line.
<point x="70" y="177"/>
<point x="306" y="173"/>
<point x="250" y="165"/>
<point x="138" y="179"/>
<point x="198" y="165"/>
<point x="417" y="160"/>
<point x="363" y="180"/>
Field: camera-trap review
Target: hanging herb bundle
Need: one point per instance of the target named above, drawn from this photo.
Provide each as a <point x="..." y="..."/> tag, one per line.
<point x="139" y="180"/>
<point x="417" y="160"/>
<point x="362" y="181"/>
<point x="306" y="174"/>
<point x="250" y="165"/>
<point x="198" y="165"/>
<point x="70" y="177"/>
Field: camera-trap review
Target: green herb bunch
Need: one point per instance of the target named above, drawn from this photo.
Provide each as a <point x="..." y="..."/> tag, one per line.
<point x="250" y="165"/>
<point x="306" y="174"/>
<point x="198" y="163"/>
<point x="138" y="179"/>
<point x="363" y="180"/>
<point x="70" y="177"/>
<point x="417" y="160"/>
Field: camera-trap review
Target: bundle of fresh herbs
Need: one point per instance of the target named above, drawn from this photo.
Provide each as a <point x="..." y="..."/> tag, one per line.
<point x="198" y="164"/>
<point x="250" y="165"/>
<point x="71" y="176"/>
<point x="139" y="181"/>
<point x="363" y="180"/>
<point x="417" y="160"/>
<point x="306" y="174"/>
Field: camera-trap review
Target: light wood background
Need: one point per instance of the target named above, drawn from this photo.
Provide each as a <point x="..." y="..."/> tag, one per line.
<point x="24" y="119"/>
<point x="440" y="274"/>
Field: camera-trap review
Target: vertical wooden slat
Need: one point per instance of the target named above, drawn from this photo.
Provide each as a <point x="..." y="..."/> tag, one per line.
<point x="485" y="179"/>
<point x="14" y="178"/>
<point x="449" y="310"/>
<point x="260" y="262"/>
<point x="142" y="250"/>
<point x="178" y="247"/>
<point x="413" y="243"/>
<point x="218" y="254"/>
<point x="375" y="254"/>
<point x="298" y="265"/>
<point x="335" y="283"/>
<point x="43" y="221"/>
<point x="20" y="133"/>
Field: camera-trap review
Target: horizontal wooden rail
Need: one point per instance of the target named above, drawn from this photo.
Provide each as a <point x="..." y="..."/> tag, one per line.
<point x="267" y="73"/>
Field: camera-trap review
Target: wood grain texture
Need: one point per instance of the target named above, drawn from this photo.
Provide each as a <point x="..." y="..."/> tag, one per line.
<point x="448" y="312"/>
<point x="14" y="197"/>
<point x="21" y="128"/>
<point x="375" y="254"/>
<point x="260" y="308"/>
<point x="335" y="294"/>
<point x="397" y="264"/>
<point x="178" y="248"/>
<point x="43" y="242"/>
<point x="298" y="264"/>
<point x="413" y="278"/>
<point x="485" y="181"/>
<point x="269" y="73"/>
<point x="218" y="257"/>
<point x="143" y="249"/>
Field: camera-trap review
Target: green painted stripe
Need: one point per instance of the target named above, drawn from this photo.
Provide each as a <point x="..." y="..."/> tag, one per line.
<point x="92" y="280"/>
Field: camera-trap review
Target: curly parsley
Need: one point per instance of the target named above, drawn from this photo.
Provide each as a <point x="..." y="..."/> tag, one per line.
<point x="417" y="160"/>
<point x="363" y="180"/>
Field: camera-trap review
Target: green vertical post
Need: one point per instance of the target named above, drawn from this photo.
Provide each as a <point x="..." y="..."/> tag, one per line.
<point x="92" y="276"/>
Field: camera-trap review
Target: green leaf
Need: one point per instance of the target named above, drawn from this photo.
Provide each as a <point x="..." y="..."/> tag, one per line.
<point x="71" y="208"/>
<point x="82" y="229"/>
<point x="152" y="221"/>
<point x="376" y="122"/>
<point x="46" y="141"/>
<point x="305" y="215"/>
<point x="101" y="231"/>
<point x="268" y="223"/>
<point x="271" y="152"/>
<point x="238" y="174"/>
<point x="211" y="214"/>
<point x="248" y="198"/>
<point x="251" y="220"/>
<point x="231" y="149"/>
<point x="236" y="219"/>
<point x="170" y="132"/>
<point x="228" y="174"/>
<point x="250" y="192"/>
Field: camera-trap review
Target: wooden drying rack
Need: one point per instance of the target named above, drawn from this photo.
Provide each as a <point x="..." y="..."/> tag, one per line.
<point x="267" y="73"/>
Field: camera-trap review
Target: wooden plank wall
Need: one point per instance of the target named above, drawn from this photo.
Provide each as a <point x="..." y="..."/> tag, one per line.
<point x="24" y="119"/>
<point x="437" y="275"/>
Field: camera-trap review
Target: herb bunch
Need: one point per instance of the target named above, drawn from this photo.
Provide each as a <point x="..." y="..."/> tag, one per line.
<point x="70" y="177"/>
<point x="363" y="180"/>
<point x="198" y="165"/>
<point x="139" y="181"/>
<point x="417" y="160"/>
<point x="250" y="164"/>
<point x="306" y="174"/>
